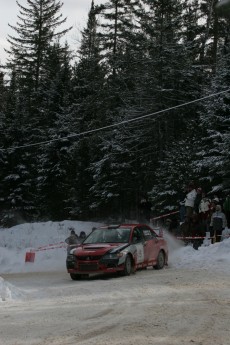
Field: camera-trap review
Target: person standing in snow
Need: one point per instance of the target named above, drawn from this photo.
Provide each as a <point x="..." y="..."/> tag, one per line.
<point x="189" y="208"/>
<point x="82" y="236"/>
<point x="73" y="238"/>
<point x="204" y="211"/>
<point x="226" y="207"/>
<point x="197" y="200"/>
<point x="190" y="200"/>
<point x="217" y="224"/>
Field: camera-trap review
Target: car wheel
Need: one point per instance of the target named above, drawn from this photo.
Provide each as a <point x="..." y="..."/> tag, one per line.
<point x="128" y="266"/>
<point x="75" y="276"/>
<point x="160" y="261"/>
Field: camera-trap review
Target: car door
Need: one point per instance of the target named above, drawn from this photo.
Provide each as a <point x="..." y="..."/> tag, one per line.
<point x="151" y="244"/>
<point x="138" y="240"/>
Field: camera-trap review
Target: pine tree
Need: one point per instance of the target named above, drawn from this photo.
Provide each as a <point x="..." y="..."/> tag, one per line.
<point x="213" y="162"/>
<point x="55" y="121"/>
<point x="36" y="30"/>
<point x="87" y="112"/>
<point x="33" y="100"/>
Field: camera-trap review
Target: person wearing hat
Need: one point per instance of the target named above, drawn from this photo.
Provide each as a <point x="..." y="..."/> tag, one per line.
<point x="218" y="224"/>
<point x="73" y="238"/>
<point x="82" y="236"/>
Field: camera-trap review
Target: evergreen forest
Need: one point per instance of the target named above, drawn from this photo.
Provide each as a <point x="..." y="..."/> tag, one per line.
<point x="139" y="109"/>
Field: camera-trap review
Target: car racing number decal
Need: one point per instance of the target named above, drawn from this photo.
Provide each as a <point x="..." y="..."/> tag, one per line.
<point x="140" y="252"/>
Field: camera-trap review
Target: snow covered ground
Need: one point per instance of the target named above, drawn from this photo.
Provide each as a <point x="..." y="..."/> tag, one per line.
<point x="47" y="239"/>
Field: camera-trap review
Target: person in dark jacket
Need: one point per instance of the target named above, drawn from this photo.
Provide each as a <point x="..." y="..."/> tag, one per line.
<point x="226" y="207"/>
<point x="73" y="238"/>
<point x="197" y="200"/>
<point x="218" y="224"/>
<point x="82" y="236"/>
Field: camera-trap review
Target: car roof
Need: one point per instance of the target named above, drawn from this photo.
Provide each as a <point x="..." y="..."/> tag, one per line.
<point x="124" y="225"/>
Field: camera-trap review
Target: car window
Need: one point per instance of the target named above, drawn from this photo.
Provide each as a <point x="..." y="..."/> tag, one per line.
<point x="119" y="235"/>
<point x="111" y="236"/>
<point x="96" y="236"/>
<point x="137" y="235"/>
<point x="123" y="234"/>
<point x="148" y="233"/>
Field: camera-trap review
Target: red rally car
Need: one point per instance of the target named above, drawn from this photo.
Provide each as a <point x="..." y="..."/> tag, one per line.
<point x="123" y="248"/>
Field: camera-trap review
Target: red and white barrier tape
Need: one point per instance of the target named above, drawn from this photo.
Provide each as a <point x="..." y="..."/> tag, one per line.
<point x="50" y="245"/>
<point x="192" y="237"/>
<point x="49" y="248"/>
<point x="164" y="215"/>
<point x="200" y="237"/>
<point x="30" y="256"/>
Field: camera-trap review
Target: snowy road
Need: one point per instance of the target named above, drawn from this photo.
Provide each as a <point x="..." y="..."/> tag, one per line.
<point x="172" y="306"/>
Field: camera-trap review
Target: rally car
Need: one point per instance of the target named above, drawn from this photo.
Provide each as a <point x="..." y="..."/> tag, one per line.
<point x="123" y="248"/>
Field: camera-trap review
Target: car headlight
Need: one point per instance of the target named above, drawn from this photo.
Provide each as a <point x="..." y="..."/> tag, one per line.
<point x="111" y="256"/>
<point x="70" y="257"/>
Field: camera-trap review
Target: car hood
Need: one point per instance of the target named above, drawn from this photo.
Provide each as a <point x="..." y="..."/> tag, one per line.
<point x="99" y="249"/>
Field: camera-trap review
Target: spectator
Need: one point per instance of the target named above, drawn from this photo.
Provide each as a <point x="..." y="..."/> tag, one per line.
<point x="204" y="207"/>
<point x="196" y="230"/>
<point x="204" y="211"/>
<point x="196" y="227"/>
<point x="73" y="238"/>
<point x="184" y="229"/>
<point x="217" y="224"/>
<point x="82" y="236"/>
<point x="189" y="200"/>
<point x="226" y="207"/>
<point x="216" y="199"/>
<point x="212" y="207"/>
<point x="197" y="200"/>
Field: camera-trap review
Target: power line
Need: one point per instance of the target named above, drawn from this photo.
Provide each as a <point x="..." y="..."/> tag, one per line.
<point x="116" y="124"/>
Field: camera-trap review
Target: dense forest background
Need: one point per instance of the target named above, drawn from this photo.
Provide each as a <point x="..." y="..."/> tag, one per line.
<point x="141" y="108"/>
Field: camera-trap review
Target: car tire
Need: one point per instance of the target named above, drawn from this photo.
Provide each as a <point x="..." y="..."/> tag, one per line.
<point x="160" y="261"/>
<point x="128" y="266"/>
<point x="75" y="276"/>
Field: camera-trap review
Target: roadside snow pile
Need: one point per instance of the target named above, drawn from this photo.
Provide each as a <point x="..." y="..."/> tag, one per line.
<point x="215" y="257"/>
<point x="8" y="291"/>
<point x="34" y="235"/>
<point x="47" y="239"/>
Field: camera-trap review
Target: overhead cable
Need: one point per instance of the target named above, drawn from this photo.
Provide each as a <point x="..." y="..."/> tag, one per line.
<point x="139" y="118"/>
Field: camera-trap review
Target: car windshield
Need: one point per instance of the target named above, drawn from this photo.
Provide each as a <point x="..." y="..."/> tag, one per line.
<point x="118" y="235"/>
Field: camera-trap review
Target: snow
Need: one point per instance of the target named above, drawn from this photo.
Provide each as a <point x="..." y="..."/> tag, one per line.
<point x="47" y="241"/>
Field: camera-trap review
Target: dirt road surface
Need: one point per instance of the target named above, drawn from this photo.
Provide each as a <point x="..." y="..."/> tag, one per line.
<point x="167" y="307"/>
